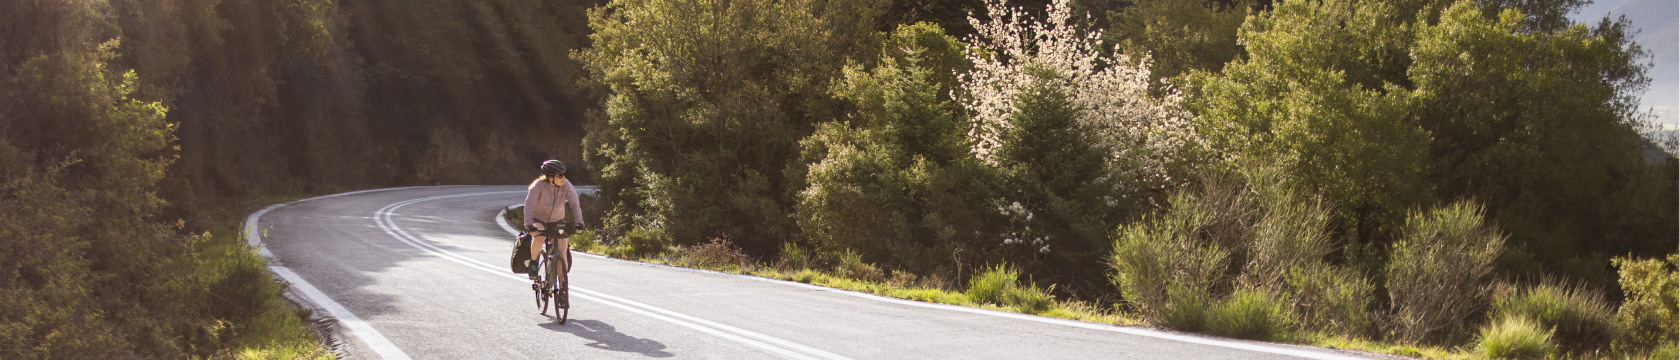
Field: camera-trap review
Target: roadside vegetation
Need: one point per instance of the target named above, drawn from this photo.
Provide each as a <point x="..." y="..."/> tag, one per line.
<point x="1427" y="178"/>
<point x="1439" y="178"/>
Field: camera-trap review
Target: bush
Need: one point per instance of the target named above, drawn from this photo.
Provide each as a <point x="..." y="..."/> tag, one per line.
<point x="1167" y="266"/>
<point x="1438" y="269"/>
<point x="1174" y="266"/>
<point x="718" y="254"/>
<point x="585" y="241"/>
<point x="1184" y="308"/>
<point x="852" y="266"/>
<point x="1647" y="316"/>
<point x="990" y="286"/>
<point x="1516" y="337"/>
<point x="1333" y="299"/>
<point x="646" y="241"/>
<point x="1250" y="314"/>
<point x="998" y="286"/>
<point x="1580" y="319"/>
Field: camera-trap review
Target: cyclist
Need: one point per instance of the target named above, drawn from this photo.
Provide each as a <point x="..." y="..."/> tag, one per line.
<point x="546" y="200"/>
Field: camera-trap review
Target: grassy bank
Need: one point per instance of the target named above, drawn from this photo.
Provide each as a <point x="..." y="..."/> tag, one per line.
<point x="275" y="328"/>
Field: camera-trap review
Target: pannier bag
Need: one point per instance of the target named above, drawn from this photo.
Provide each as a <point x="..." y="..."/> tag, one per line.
<point x="521" y="252"/>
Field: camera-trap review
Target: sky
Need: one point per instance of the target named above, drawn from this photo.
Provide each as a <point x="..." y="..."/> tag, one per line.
<point x="1659" y="33"/>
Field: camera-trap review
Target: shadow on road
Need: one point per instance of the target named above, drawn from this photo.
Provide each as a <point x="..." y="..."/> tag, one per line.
<point x="606" y="338"/>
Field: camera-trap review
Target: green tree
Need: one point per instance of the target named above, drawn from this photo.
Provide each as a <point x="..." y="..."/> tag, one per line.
<point x="706" y="103"/>
<point x="1311" y="98"/>
<point x="1389" y="106"/>
<point x="80" y="154"/>
<point x="895" y="182"/>
<point x="1180" y="35"/>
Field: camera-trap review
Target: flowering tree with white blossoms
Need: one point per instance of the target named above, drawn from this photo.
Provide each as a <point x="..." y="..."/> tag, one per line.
<point x="1150" y="137"/>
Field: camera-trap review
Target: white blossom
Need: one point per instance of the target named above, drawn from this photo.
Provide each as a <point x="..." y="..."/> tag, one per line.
<point x="1111" y="93"/>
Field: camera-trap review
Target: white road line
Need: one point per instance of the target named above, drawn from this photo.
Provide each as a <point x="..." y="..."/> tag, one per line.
<point x="353" y="324"/>
<point x="1018" y="316"/>
<point x="382" y="218"/>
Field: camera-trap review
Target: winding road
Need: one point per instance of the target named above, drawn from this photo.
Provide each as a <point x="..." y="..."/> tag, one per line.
<point x="422" y="273"/>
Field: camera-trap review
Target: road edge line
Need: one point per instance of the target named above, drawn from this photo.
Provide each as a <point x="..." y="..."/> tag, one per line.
<point x="354" y="325"/>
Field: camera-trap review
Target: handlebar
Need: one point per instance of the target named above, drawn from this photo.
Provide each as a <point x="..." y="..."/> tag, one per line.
<point x="556" y="229"/>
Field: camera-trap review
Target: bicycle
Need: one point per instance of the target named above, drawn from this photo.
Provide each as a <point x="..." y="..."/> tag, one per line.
<point x="552" y="282"/>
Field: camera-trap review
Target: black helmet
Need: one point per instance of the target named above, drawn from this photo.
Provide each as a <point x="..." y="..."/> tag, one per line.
<point x="554" y="168"/>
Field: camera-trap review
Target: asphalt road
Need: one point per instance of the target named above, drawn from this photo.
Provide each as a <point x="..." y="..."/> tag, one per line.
<point x="422" y="273"/>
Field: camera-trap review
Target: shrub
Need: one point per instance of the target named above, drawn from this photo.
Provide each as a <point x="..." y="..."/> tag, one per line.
<point x="1250" y="314"/>
<point x="1580" y="319"/>
<point x="1647" y="316"/>
<point x="990" y="286"/>
<point x="1288" y="231"/>
<point x="585" y="241"/>
<point x="1166" y="266"/>
<point x="998" y="286"/>
<point x="717" y="254"/>
<point x="795" y="257"/>
<point x="852" y="266"/>
<point x="646" y="241"/>
<point x="1515" y="337"/>
<point x="1184" y="308"/>
<point x="1437" y="270"/>
<point x="1175" y="265"/>
<point x="1332" y="298"/>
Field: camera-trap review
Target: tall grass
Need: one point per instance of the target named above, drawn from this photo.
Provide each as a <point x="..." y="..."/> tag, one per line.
<point x="1251" y="314"/>
<point x="1515" y="337"/>
<point x="1581" y="319"/>
<point x="998" y="285"/>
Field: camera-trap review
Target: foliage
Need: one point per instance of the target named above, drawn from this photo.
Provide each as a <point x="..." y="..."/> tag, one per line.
<point x="1228" y="249"/>
<point x="1339" y="299"/>
<point x="1180" y="35"/>
<point x="1580" y="319"/>
<point x="1385" y="107"/>
<point x="1298" y="100"/>
<point x="706" y="102"/>
<point x="1077" y="139"/>
<point x="895" y="182"/>
<point x="1647" y="314"/>
<point x="1169" y="265"/>
<point x="1554" y="151"/>
<point x="1438" y="271"/>
<point x="1250" y="314"/>
<point x="998" y="285"/>
<point x="717" y="254"/>
<point x="1516" y="337"/>
<point x="1152" y="136"/>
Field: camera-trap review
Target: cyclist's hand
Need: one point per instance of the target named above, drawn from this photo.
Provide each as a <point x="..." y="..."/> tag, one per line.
<point x="577" y="227"/>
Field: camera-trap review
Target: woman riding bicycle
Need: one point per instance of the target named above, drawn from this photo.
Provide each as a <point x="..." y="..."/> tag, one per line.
<point x="546" y="201"/>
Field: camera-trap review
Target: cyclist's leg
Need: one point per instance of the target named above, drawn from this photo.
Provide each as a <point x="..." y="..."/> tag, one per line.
<point x="536" y="251"/>
<point x="565" y="254"/>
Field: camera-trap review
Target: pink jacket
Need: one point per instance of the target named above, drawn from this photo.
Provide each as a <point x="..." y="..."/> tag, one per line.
<point x="545" y="202"/>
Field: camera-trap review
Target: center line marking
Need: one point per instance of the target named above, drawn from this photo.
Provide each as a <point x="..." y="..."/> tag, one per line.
<point x="383" y="218"/>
